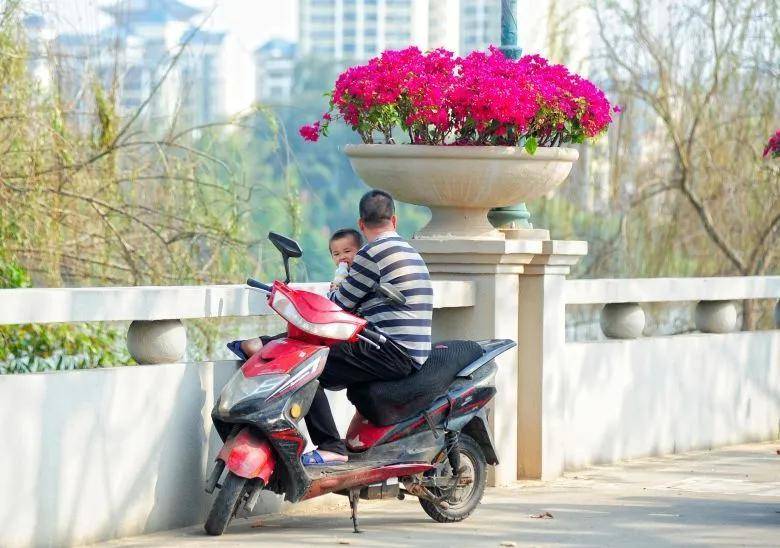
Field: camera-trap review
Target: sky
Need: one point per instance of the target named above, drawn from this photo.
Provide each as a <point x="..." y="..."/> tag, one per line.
<point x="252" y="21"/>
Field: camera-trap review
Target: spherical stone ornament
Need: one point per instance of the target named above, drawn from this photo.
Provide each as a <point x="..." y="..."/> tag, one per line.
<point x="716" y="316"/>
<point x="157" y="341"/>
<point x="622" y="320"/>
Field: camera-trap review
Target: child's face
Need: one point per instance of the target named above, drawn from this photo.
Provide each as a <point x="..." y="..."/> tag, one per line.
<point x="343" y="250"/>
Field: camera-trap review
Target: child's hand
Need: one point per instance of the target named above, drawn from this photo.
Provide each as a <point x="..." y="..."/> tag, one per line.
<point x="333" y="287"/>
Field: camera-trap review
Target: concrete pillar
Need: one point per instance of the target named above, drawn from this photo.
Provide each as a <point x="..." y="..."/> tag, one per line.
<point x="156" y="341"/>
<point x="494" y="266"/>
<point x="541" y="430"/>
<point x="516" y="284"/>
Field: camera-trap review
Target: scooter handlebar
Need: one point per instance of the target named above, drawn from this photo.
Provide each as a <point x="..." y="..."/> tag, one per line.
<point x="258" y="285"/>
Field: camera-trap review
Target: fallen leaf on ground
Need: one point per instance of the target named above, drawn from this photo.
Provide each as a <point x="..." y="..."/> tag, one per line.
<point x="543" y="515"/>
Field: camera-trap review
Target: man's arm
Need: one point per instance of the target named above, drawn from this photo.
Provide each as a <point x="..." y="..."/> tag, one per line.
<point x="360" y="281"/>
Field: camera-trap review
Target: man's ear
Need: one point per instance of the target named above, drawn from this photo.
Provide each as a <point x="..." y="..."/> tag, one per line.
<point x="394" y="221"/>
<point x="361" y="226"/>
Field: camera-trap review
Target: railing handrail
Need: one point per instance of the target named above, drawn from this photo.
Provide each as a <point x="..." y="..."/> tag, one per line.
<point x="107" y="304"/>
<point x="636" y="290"/>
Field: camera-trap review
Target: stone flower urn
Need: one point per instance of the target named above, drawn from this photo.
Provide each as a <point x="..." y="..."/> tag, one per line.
<point x="460" y="184"/>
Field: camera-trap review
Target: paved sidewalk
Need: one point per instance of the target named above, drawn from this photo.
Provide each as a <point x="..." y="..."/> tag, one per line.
<point x="727" y="497"/>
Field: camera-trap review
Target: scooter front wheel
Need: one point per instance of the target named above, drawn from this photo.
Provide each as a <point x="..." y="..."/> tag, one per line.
<point x="226" y="504"/>
<point x="464" y="497"/>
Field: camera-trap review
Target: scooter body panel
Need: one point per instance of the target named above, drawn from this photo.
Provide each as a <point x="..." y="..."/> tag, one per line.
<point x="279" y="356"/>
<point x="347" y="479"/>
<point x="465" y="397"/>
<point x="248" y="456"/>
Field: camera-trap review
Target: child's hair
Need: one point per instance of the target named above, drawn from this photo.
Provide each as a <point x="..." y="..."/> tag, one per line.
<point x="347" y="233"/>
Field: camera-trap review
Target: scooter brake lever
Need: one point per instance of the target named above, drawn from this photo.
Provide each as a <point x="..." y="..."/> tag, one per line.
<point x="369" y="341"/>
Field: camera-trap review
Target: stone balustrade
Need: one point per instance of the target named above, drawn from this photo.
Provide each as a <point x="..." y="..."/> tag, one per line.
<point x="633" y="395"/>
<point x="156" y="334"/>
<point x="116" y="451"/>
<point x="120" y="451"/>
<point x="622" y="316"/>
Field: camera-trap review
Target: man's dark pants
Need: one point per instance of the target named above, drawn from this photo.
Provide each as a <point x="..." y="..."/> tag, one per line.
<point x="352" y="363"/>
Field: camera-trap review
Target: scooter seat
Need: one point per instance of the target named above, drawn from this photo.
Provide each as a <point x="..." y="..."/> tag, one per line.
<point x="390" y="402"/>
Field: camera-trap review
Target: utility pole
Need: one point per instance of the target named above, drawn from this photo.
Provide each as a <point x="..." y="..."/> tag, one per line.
<point x="516" y="216"/>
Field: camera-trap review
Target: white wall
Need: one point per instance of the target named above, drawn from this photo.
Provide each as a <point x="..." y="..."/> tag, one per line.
<point x="664" y="395"/>
<point x="104" y="453"/>
<point x="91" y="455"/>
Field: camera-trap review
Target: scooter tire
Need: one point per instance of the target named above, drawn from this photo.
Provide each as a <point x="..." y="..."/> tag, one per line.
<point x="226" y="504"/>
<point x="469" y="449"/>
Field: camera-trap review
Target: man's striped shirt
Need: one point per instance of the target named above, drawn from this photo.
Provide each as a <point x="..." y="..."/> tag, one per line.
<point x="390" y="259"/>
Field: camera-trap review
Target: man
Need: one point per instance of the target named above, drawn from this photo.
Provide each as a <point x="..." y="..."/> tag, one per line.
<point x="386" y="258"/>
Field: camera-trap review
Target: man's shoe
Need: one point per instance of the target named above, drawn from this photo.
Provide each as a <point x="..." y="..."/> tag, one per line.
<point x="235" y="348"/>
<point x="315" y="458"/>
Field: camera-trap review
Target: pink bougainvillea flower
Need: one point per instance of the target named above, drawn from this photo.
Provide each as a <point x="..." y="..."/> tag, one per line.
<point x="772" y="148"/>
<point x="483" y="98"/>
<point x="310" y="132"/>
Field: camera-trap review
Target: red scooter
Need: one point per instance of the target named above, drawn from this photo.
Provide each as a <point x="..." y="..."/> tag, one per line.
<point x="426" y="435"/>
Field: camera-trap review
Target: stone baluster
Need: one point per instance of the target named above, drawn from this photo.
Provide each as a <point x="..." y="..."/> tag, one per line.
<point x="156" y="341"/>
<point x="622" y="320"/>
<point x="716" y="316"/>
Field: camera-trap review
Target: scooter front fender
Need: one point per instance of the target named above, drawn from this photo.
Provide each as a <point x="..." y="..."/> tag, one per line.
<point x="248" y="456"/>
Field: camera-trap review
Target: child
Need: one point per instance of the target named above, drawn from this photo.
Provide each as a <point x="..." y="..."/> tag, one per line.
<point x="343" y="246"/>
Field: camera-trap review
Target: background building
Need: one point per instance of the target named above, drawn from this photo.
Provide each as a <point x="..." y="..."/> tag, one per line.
<point x="210" y="81"/>
<point x="444" y="24"/>
<point x="479" y="25"/>
<point x="358" y="29"/>
<point x="275" y="70"/>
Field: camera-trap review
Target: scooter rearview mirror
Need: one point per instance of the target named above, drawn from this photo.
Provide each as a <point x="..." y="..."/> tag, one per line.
<point x="288" y="248"/>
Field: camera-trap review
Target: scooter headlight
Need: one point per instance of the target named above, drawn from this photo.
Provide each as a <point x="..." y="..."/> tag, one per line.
<point x="332" y="330"/>
<point x="241" y="388"/>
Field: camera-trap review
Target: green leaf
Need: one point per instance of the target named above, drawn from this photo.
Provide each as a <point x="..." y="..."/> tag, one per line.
<point x="531" y="145"/>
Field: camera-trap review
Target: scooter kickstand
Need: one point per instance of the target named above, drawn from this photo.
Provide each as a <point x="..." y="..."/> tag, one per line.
<point x="354" y="497"/>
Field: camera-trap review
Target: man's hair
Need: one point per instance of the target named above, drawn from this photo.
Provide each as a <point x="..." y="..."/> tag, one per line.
<point x="347" y="233"/>
<point x="376" y="208"/>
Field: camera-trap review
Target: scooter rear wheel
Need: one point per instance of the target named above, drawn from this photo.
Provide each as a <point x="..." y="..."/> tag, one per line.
<point x="226" y="504"/>
<point x="464" y="499"/>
